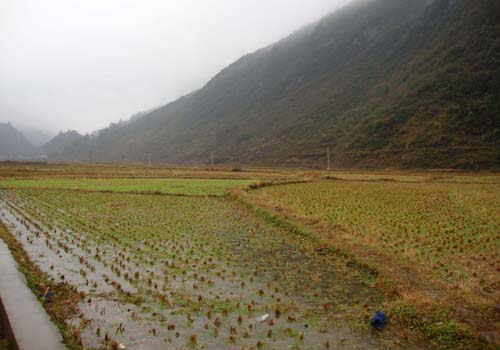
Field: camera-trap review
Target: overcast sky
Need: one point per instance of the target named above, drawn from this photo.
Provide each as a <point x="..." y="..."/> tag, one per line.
<point x="72" y="64"/>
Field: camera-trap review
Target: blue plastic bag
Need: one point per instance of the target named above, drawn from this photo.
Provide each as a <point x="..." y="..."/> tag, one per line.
<point x="379" y="321"/>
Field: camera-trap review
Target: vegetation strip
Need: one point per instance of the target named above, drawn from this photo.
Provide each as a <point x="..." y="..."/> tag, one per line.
<point x="200" y="187"/>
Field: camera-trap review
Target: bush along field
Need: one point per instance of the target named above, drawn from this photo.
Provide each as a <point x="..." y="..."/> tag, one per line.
<point x="201" y="264"/>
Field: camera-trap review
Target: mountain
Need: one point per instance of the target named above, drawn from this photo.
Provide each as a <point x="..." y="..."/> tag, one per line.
<point x="14" y="145"/>
<point x="67" y="145"/>
<point x="381" y="83"/>
<point x="35" y="136"/>
<point x="73" y="146"/>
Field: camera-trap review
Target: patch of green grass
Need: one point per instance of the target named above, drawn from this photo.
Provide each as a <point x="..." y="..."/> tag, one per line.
<point x="449" y="332"/>
<point x="473" y="179"/>
<point x="193" y="187"/>
<point x="437" y="324"/>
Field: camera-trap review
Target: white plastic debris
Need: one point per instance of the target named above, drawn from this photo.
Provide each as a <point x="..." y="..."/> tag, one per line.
<point x="263" y="318"/>
<point x="121" y="346"/>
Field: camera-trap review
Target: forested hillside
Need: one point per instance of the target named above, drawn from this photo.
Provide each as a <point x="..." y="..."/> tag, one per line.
<point x="381" y="83"/>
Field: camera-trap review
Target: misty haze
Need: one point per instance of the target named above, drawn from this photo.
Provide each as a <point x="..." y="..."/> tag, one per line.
<point x="245" y="174"/>
<point x="82" y="66"/>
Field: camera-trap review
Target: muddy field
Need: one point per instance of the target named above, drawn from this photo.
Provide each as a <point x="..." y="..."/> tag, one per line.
<point x="187" y="271"/>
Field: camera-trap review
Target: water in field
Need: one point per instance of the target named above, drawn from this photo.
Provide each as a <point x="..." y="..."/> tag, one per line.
<point x="163" y="272"/>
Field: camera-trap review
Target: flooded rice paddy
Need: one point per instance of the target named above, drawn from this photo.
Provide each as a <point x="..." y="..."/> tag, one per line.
<point x="169" y="272"/>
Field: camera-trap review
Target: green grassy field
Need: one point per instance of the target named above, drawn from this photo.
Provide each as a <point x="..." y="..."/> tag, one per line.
<point x="200" y="187"/>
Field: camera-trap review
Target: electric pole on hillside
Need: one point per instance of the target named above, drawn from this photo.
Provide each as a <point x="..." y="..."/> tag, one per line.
<point x="91" y="156"/>
<point x="212" y="159"/>
<point x="328" y="157"/>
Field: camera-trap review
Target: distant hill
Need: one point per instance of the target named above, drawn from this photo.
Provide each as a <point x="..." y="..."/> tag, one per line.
<point x="73" y="146"/>
<point x="381" y="83"/>
<point x="14" y="145"/>
<point x="35" y="136"/>
<point x="67" y="145"/>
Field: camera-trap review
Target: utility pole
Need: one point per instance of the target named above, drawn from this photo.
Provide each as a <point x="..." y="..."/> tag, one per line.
<point x="91" y="156"/>
<point x="212" y="159"/>
<point x="328" y="157"/>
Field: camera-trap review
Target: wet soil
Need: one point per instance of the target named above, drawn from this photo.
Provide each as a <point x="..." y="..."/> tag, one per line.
<point x="182" y="272"/>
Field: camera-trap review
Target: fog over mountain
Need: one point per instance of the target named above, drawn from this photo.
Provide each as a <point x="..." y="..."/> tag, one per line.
<point x="82" y="65"/>
<point x="382" y="83"/>
<point x="37" y="137"/>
